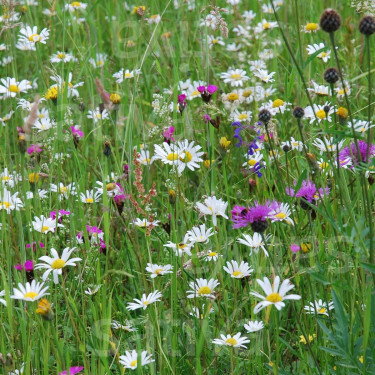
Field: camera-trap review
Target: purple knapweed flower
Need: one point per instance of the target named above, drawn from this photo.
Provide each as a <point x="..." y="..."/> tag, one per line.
<point x="351" y="152"/>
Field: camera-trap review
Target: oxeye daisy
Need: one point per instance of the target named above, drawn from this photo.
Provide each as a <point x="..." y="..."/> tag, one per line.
<point x="275" y="294"/>
<point x="213" y="41"/>
<point x="181" y="248"/>
<point x="30" y="292"/>
<point x="43" y="124"/>
<point x="158" y="270"/>
<point x="45" y="224"/>
<point x="75" y="5"/>
<point x="293" y="144"/>
<point x="340" y="91"/>
<point x="145" y="301"/>
<point x="201" y="315"/>
<point x="93" y="291"/>
<point x="265" y="25"/>
<point x="360" y="126"/>
<point x="210" y="21"/>
<point x="319" y="90"/>
<point x="168" y="154"/>
<point x="319" y="307"/>
<point x="55" y="263"/>
<point x="144" y="223"/>
<point x="189" y="155"/>
<point x="253" y="159"/>
<point x="123" y="327"/>
<point x="10" y="87"/>
<point x="255" y="242"/>
<point x="325" y="55"/>
<point x="281" y="213"/>
<point x="61" y="84"/>
<point x="9" y="202"/>
<point x="130" y="359"/>
<point x="126" y="74"/>
<point x="235" y="341"/>
<point x="241" y="116"/>
<point x="2" y="300"/>
<point x="65" y="191"/>
<point x="202" y="288"/>
<point x="310" y="27"/>
<point x="90" y="196"/>
<point x="144" y="157"/>
<point x="28" y="34"/>
<point x="199" y="234"/>
<point x="236" y="77"/>
<point x="99" y="60"/>
<point x="211" y="255"/>
<point x="238" y="271"/>
<point x="264" y="76"/>
<point x="61" y="57"/>
<point x="319" y="112"/>
<point x="327" y="144"/>
<point x="213" y="207"/>
<point x="233" y="99"/>
<point x="254" y="326"/>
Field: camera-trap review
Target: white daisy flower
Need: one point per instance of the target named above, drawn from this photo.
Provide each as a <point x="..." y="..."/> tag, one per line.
<point x="2" y="294"/>
<point x="255" y="242"/>
<point x="319" y="307"/>
<point x="236" y="77"/>
<point x="292" y="144"/>
<point x="45" y="224"/>
<point x="233" y="47"/>
<point x="30" y="292"/>
<point x="189" y="155"/>
<point x="275" y="294"/>
<point x="215" y="40"/>
<point x="11" y="87"/>
<point x="340" y="92"/>
<point x="61" y="57"/>
<point x="263" y="75"/>
<point x="130" y="359"/>
<point x="126" y="74"/>
<point x="200" y="315"/>
<point x="241" y="116"/>
<point x="253" y="326"/>
<point x="202" y="288"/>
<point x="90" y="196"/>
<point x="310" y="28"/>
<point x="214" y="207"/>
<point x="276" y="106"/>
<point x="99" y="60"/>
<point x="144" y="223"/>
<point x="123" y="327"/>
<point x="168" y="154"/>
<point x="318" y="112"/>
<point x="265" y="26"/>
<point x="55" y="263"/>
<point x="360" y="126"/>
<point x="238" y="271"/>
<point x="75" y="5"/>
<point x="72" y="88"/>
<point x="181" y="248"/>
<point x="65" y="191"/>
<point x="144" y="157"/>
<point x="253" y="159"/>
<point x="144" y="301"/>
<point x="25" y="45"/>
<point x="43" y="124"/>
<point x="211" y="256"/>
<point x="282" y="213"/>
<point x="313" y="48"/>
<point x="10" y="202"/>
<point x="30" y="35"/>
<point x="199" y="234"/>
<point x="9" y="179"/>
<point x="235" y="341"/>
<point x="319" y="90"/>
<point x="248" y="15"/>
<point x="41" y="194"/>
<point x="327" y="144"/>
<point x="6" y="118"/>
<point x="92" y="292"/>
<point x="209" y="21"/>
<point x="155" y="18"/>
<point x="158" y="270"/>
<point x="232" y="100"/>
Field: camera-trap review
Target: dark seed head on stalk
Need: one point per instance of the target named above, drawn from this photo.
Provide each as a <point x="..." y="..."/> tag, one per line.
<point x="298" y="112"/>
<point x="259" y="226"/>
<point x="367" y="25"/>
<point x="264" y="116"/>
<point x="286" y="148"/>
<point x="331" y="75"/>
<point x="330" y="21"/>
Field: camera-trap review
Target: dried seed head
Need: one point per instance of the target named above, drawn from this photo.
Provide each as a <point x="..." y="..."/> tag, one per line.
<point x="367" y="25"/>
<point x="330" y="21"/>
<point x="331" y="75"/>
<point x="298" y="112"/>
<point x="264" y="116"/>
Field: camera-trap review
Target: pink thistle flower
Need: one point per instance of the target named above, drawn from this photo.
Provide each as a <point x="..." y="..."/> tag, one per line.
<point x="34" y="149"/>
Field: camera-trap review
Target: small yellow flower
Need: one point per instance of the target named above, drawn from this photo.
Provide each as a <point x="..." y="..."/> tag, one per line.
<point x="303" y="338"/>
<point x="51" y="94"/>
<point x="208" y="163"/>
<point x="361" y="359"/>
<point x="168" y="34"/>
<point x="33" y="177"/>
<point x="305" y="247"/>
<point x="140" y="10"/>
<point x="115" y="98"/>
<point x="342" y="112"/>
<point x="224" y="143"/>
<point x="172" y="196"/>
<point x="312" y="26"/>
<point x="45" y="309"/>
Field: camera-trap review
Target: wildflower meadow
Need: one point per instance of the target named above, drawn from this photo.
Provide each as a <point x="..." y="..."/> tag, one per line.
<point x="187" y="187"/>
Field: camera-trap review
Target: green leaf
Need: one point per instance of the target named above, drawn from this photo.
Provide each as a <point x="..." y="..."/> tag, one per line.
<point x="368" y="266"/>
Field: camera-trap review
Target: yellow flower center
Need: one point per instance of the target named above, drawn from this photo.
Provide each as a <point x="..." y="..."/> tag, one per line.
<point x="51" y="93"/>
<point x="204" y="290"/>
<point x="182" y="245"/>
<point x="14" y="88"/>
<point x="266" y="25"/>
<point x="231" y="341"/>
<point x="63" y="190"/>
<point x="232" y="96"/>
<point x="58" y="264"/>
<point x="187" y="158"/>
<point x="280" y="215"/>
<point x="110" y="186"/>
<point x="115" y="98"/>
<point x="324" y="165"/>
<point x="35" y="38"/>
<point x="274" y="297"/>
<point x="323" y="54"/>
<point x="321" y="114"/>
<point x="133" y="363"/>
<point x="311" y="26"/>
<point x="243" y="116"/>
<point x="31" y="295"/>
<point x="61" y="56"/>
<point x="128" y="75"/>
<point x="252" y="162"/>
<point x="146" y="303"/>
<point x="247" y="93"/>
<point x="172" y="156"/>
<point x="5" y="178"/>
<point x="6" y="204"/>
<point x="236" y="76"/>
<point x="45" y="228"/>
<point x="89" y="200"/>
<point x="237" y="273"/>
<point x="212" y="254"/>
<point x="322" y="310"/>
<point x="98" y="115"/>
<point x="215" y="41"/>
<point x="158" y="271"/>
<point x="277" y="103"/>
<point x="195" y="93"/>
<point x="342" y="112"/>
<point x="99" y="63"/>
<point x="75" y="4"/>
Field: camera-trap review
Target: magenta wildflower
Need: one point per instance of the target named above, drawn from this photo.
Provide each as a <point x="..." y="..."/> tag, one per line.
<point x="28" y="267"/>
<point x="34" y="149"/>
<point x="33" y="245"/>
<point x="168" y="135"/>
<point x="206" y="92"/>
<point x="181" y="102"/>
<point x="307" y="192"/>
<point x="351" y="152"/>
<point x="76" y="132"/>
<point x="72" y="370"/>
<point x="295" y="248"/>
